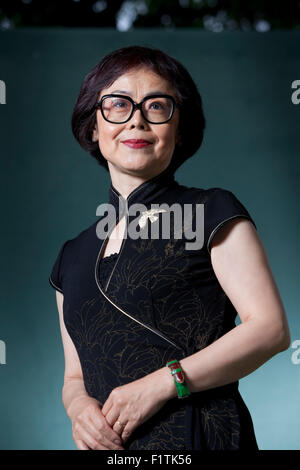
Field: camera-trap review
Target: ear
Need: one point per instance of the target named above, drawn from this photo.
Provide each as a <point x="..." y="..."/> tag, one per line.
<point x="95" y="133"/>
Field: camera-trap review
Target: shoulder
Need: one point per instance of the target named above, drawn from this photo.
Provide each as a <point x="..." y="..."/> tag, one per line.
<point x="84" y="237"/>
<point x="73" y="251"/>
<point x="220" y="206"/>
<point x="214" y="198"/>
<point x="203" y="195"/>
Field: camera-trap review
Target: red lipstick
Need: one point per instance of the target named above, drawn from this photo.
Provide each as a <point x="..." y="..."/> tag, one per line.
<point x="136" y="143"/>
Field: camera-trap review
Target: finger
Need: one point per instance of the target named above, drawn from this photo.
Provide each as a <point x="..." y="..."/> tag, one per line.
<point x="101" y="424"/>
<point x="119" y="424"/>
<point x="102" y="435"/>
<point x="83" y="434"/>
<point x="107" y="405"/>
<point x="81" y="445"/>
<point x="112" y="416"/>
<point x="127" y="430"/>
<point x="116" y="422"/>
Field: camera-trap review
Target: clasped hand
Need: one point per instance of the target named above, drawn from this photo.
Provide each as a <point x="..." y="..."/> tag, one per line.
<point x="130" y="405"/>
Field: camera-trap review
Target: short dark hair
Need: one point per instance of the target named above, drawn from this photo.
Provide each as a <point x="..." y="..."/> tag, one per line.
<point x="191" y="122"/>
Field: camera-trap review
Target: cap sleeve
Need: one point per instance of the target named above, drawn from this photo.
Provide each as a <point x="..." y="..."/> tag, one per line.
<point x="55" y="278"/>
<point x="220" y="207"/>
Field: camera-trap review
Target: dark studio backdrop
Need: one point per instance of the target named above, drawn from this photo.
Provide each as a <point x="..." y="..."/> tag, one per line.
<point x="50" y="189"/>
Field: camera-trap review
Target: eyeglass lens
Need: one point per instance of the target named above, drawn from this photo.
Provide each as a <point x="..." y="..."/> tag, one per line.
<point x="118" y="109"/>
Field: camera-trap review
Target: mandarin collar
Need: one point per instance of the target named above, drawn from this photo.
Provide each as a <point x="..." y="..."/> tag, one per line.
<point x="149" y="191"/>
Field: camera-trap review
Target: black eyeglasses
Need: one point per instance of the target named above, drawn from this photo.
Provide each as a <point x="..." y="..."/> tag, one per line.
<point x="118" y="109"/>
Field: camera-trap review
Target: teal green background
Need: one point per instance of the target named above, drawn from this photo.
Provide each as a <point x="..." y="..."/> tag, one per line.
<point x="50" y="190"/>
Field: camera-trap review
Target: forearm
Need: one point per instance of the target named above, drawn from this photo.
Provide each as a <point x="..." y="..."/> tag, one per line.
<point x="233" y="356"/>
<point x="73" y="393"/>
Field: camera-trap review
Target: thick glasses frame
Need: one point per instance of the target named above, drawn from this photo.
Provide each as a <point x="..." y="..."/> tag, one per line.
<point x="137" y="106"/>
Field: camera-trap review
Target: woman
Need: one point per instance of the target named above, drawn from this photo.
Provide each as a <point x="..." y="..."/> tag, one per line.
<point x="130" y="305"/>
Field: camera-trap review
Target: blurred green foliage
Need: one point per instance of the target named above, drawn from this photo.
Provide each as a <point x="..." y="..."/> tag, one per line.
<point x="212" y="15"/>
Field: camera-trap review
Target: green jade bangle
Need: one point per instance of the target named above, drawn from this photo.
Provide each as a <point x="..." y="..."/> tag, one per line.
<point x="178" y="376"/>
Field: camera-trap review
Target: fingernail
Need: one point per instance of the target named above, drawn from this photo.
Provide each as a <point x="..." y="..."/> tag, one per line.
<point x="118" y="442"/>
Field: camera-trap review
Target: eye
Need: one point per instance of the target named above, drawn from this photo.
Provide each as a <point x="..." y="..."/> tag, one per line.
<point x="155" y="103"/>
<point x="120" y="104"/>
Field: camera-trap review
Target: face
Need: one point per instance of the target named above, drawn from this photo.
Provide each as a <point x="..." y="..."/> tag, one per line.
<point x="145" y="161"/>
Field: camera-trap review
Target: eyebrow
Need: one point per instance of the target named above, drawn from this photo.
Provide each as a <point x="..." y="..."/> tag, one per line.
<point x="155" y="92"/>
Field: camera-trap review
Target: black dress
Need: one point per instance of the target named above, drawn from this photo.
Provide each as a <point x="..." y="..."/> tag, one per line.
<point x="128" y="314"/>
<point x="107" y="267"/>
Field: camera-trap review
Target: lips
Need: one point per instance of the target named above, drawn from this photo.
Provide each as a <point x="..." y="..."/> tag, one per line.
<point x="136" y="143"/>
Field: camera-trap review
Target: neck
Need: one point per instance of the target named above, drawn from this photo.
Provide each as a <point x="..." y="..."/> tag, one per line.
<point x="146" y="192"/>
<point x="125" y="183"/>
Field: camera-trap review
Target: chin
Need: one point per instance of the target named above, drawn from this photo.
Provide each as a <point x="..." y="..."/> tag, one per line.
<point x="137" y="164"/>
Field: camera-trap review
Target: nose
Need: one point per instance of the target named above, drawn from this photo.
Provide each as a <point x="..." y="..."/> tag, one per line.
<point x="137" y="118"/>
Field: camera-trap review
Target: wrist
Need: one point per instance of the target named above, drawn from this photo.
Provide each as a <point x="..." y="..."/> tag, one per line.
<point x="166" y="384"/>
<point x="177" y="373"/>
<point x="76" y="405"/>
